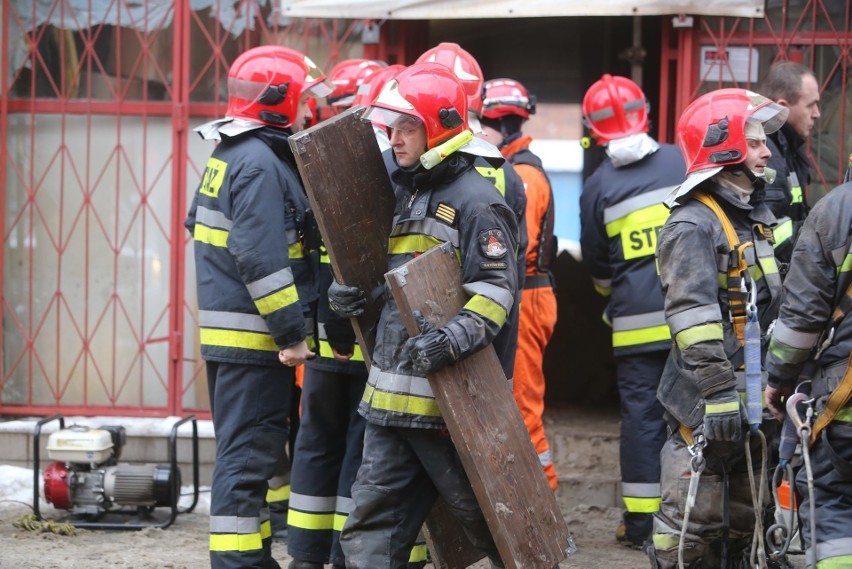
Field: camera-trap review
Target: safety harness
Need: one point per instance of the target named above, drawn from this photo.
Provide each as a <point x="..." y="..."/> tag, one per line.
<point x="742" y="301"/>
<point x="841" y="394"/>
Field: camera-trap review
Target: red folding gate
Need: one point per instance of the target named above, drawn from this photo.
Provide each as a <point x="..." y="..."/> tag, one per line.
<point x="97" y="161"/>
<point x="711" y="53"/>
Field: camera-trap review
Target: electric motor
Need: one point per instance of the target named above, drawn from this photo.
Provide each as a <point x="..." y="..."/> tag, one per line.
<point x="86" y="479"/>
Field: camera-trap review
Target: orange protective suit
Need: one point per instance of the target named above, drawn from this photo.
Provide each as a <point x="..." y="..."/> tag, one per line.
<point x="538" y="311"/>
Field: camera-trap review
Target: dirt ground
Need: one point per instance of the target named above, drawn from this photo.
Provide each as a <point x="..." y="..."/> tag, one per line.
<point x="584" y="444"/>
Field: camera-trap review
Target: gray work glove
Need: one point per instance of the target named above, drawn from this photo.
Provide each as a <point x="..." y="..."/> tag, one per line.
<point x="432" y="349"/>
<point x="724" y="416"/>
<point x="347" y="301"/>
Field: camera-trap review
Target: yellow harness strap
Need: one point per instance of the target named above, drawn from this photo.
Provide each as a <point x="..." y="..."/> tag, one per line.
<point x="736" y="267"/>
<point x="686" y="433"/>
<point x="836" y="401"/>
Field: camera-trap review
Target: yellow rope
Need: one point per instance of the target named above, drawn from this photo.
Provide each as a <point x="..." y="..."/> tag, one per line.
<point x="29" y="522"/>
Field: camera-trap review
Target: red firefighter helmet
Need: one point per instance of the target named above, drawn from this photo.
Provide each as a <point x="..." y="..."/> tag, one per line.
<point x="505" y="97"/>
<point x="372" y="85"/>
<point x="266" y="83"/>
<point x="615" y="107"/>
<point x="711" y="132"/>
<point x="346" y="76"/>
<point x="427" y="92"/>
<point x="464" y="65"/>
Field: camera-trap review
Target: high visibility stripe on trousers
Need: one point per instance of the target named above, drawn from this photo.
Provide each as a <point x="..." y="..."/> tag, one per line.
<point x="319" y="513"/>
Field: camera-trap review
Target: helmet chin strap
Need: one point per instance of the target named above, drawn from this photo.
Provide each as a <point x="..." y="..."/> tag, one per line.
<point x="758" y="182"/>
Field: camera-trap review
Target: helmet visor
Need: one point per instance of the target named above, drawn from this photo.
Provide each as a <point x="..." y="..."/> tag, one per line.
<point x="773" y="116"/>
<point x="391" y="119"/>
<point x="319" y="90"/>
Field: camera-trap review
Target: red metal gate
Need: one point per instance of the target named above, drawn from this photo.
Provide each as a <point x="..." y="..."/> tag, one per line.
<point x="96" y="162"/>
<point x="712" y="52"/>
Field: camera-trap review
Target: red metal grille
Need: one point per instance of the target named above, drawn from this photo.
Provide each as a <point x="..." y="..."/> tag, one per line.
<point x="814" y="32"/>
<point x="97" y="159"/>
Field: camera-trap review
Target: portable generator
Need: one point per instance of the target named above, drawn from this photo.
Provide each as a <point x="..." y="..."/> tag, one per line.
<point x="88" y="479"/>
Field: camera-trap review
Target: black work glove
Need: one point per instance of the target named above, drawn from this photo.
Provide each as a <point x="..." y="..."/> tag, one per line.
<point x="724" y="416"/>
<point x="341" y="336"/>
<point x="432" y="349"/>
<point x="347" y="301"/>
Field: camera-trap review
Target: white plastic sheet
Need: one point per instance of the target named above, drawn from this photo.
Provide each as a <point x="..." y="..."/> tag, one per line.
<point x="474" y="9"/>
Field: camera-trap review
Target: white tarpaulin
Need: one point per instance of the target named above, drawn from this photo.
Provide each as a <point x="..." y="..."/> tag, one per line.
<point x="476" y="9"/>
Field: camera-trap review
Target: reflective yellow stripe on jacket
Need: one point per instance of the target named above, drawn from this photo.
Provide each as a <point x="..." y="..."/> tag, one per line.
<point x="637" y="221"/>
<point x="235" y="330"/>
<point x="400" y="393"/>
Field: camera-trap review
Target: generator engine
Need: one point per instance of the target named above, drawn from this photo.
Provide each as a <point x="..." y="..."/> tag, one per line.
<point x="87" y="478"/>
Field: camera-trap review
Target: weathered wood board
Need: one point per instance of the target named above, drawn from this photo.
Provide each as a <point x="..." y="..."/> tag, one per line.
<point x="484" y="422"/>
<point x="352" y="199"/>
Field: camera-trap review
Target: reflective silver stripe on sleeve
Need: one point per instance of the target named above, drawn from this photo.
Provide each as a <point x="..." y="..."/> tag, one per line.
<point x="318" y="504"/>
<point x="693" y="317"/>
<point x="427" y="226"/>
<point x="496" y="293"/>
<point x="630" y="205"/>
<point x="638" y="321"/>
<point x="292" y="236"/>
<point x="344" y="505"/>
<point x="212" y="218"/>
<point x="399" y="383"/>
<point x="232" y="321"/>
<point x="270" y="283"/>
<point x="794" y="338"/>
<point x="234" y="524"/>
<point x="602" y="283"/>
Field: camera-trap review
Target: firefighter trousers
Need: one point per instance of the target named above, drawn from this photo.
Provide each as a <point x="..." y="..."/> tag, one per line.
<point x="537" y="321"/>
<point x="403" y="471"/>
<point x="250" y="405"/>
<point x="643" y="433"/>
<point x="831" y="463"/>
<point x="722" y="520"/>
<point x="327" y="456"/>
<point x="278" y="495"/>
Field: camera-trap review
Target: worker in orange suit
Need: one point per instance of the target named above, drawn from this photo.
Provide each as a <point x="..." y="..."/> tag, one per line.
<point x="507" y="105"/>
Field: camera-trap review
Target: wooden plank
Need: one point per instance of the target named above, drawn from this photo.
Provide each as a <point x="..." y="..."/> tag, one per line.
<point x="352" y="199"/>
<point x="484" y="422"/>
<point x="448" y="544"/>
<point x="353" y="202"/>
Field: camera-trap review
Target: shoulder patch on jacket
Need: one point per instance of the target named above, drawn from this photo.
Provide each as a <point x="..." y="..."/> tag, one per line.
<point x="492" y="243"/>
<point x="445" y="213"/>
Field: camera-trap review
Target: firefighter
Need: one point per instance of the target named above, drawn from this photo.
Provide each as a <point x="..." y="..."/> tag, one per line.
<point x="347" y="76"/>
<point x="621" y="211"/>
<point x="331" y="433"/>
<point x="409" y="458"/>
<point x="794" y="86"/>
<point x="721" y="287"/>
<point x="506" y="106"/>
<point x="368" y="90"/>
<point x="503" y="176"/>
<point x="500" y="173"/>
<point x="250" y="220"/>
<point x="813" y="328"/>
